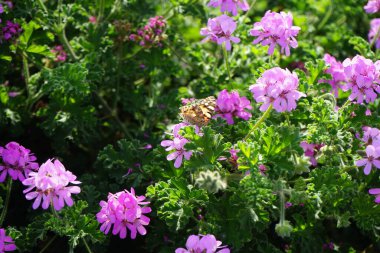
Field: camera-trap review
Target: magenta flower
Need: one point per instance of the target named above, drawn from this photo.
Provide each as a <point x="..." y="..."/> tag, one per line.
<point x="230" y="5"/>
<point x="310" y="151"/>
<point x="151" y="34"/>
<point x="231" y="104"/>
<point x="336" y="71"/>
<point x="373" y="153"/>
<point x="371" y="136"/>
<point x="262" y="169"/>
<point x="203" y="244"/>
<point x="11" y="30"/>
<point x="276" y="28"/>
<point x="50" y="185"/>
<point x="124" y="211"/>
<point x="6" y="242"/>
<point x="92" y="19"/>
<point x="375" y="191"/>
<point x="18" y="162"/>
<point x="374" y="31"/>
<point x="362" y="78"/>
<point x="219" y="30"/>
<point x="60" y="53"/>
<point x="372" y="6"/>
<point x="178" y="145"/>
<point x="278" y="87"/>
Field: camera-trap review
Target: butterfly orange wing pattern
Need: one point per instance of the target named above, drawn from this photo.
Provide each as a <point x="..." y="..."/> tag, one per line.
<point x="199" y="112"/>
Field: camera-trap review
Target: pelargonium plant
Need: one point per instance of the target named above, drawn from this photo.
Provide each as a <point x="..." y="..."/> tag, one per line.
<point x="276" y="29"/>
<point x="50" y="185"/>
<point x="203" y="243"/>
<point x="124" y="211"/>
<point x="219" y="30"/>
<point x="231" y="6"/>
<point x="278" y="88"/>
<point x="17" y="162"/>
<point x="6" y="242"/>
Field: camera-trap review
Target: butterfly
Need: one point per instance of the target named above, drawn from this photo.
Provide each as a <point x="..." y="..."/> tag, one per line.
<point x="199" y="112"/>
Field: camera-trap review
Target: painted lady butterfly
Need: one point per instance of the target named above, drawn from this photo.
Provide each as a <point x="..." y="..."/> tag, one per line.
<point x="198" y="112"/>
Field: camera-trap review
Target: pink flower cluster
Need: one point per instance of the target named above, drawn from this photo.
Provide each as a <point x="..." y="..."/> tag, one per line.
<point x="178" y="145"/>
<point x="229" y="105"/>
<point x="60" y="54"/>
<point x="336" y="71"/>
<point x="6" y="242"/>
<point x="310" y="150"/>
<point x="230" y="5"/>
<point x="372" y="6"/>
<point x="219" y="30"/>
<point x="203" y="244"/>
<point x="276" y="29"/>
<point x="278" y="87"/>
<point x="151" y="34"/>
<point x="11" y="30"/>
<point x="50" y="185"/>
<point x="124" y="210"/>
<point x="17" y="162"/>
<point x="374" y="31"/>
<point x="363" y="78"/>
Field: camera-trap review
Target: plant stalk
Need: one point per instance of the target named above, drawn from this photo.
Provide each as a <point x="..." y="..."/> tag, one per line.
<point x="7" y="199"/>
<point x="87" y="247"/>
<point x="225" y="54"/>
<point x="258" y="123"/>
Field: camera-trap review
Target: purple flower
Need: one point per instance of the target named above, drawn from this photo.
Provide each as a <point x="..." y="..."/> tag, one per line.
<point x="371" y="136"/>
<point x="219" y="30"/>
<point x="11" y="30"/>
<point x="288" y="204"/>
<point x="278" y="87"/>
<point x="231" y="104"/>
<point x="151" y="34"/>
<point x="310" y="151"/>
<point x="230" y="5"/>
<point x="178" y="145"/>
<point x="328" y="246"/>
<point x="373" y="153"/>
<point x="50" y="185"/>
<point x="276" y="28"/>
<point x="1" y="9"/>
<point x="375" y="191"/>
<point x="336" y="71"/>
<point x="374" y="31"/>
<point x="18" y="162"/>
<point x="362" y="78"/>
<point x="124" y="211"/>
<point x="263" y="169"/>
<point x="372" y="6"/>
<point x="6" y="242"/>
<point x="203" y="244"/>
<point x="60" y="53"/>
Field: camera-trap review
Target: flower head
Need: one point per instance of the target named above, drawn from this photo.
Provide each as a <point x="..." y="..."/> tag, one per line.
<point x="278" y="87"/>
<point x="18" y="162"/>
<point x="151" y="34"/>
<point x="336" y="71"/>
<point x="124" y="211"/>
<point x="178" y="145"/>
<point x="231" y="104"/>
<point x="219" y="30"/>
<point x="203" y="244"/>
<point x="375" y="191"/>
<point x="230" y="5"/>
<point x="11" y="30"/>
<point x="374" y="31"/>
<point x="50" y="184"/>
<point x="276" y="28"/>
<point x="372" y="6"/>
<point x="363" y="78"/>
<point x="372" y="158"/>
<point x="310" y="151"/>
<point x="6" y="242"/>
<point x="60" y="54"/>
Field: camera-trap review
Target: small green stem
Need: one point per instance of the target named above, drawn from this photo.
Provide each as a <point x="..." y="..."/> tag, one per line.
<point x="7" y="198"/>
<point x="42" y="5"/>
<point x="258" y="123"/>
<point x="87" y="247"/>
<point x="225" y="54"/>
<point x="101" y="11"/>
<point x="53" y="210"/>
<point x="62" y="37"/>
<point x="26" y="73"/>
<point x="344" y="105"/>
<point x="375" y="38"/>
<point x="282" y="204"/>
<point x="48" y="244"/>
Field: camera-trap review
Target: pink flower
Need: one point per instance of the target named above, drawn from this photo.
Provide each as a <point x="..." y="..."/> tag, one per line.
<point x="177" y="144"/>
<point x="276" y="28"/>
<point x="278" y="87"/>
<point x="50" y="185"/>
<point x="374" y="31"/>
<point x="219" y="30"/>
<point x="203" y="244"/>
<point x="373" y="153"/>
<point x="372" y="6"/>
<point x="375" y="191"/>
<point x="371" y="136"/>
<point x="151" y="34"/>
<point x="231" y="104"/>
<point x="336" y="71"/>
<point x="18" y="162"/>
<point x="262" y="169"/>
<point x="124" y="211"/>
<point x="6" y="242"/>
<point x="362" y="78"/>
<point x="230" y="5"/>
<point x="92" y="19"/>
<point x="310" y="151"/>
<point x="60" y="53"/>
<point x="11" y="30"/>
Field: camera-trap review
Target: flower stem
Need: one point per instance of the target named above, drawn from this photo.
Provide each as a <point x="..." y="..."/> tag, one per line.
<point x="87" y="247"/>
<point x="225" y="54"/>
<point x="282" y="204"/>
<point x="258" y="123"/>
<point x="62" y="37"/>
<point x="7" y="198"/>
<point x="42" y="5"/>
<point x="345" y="105"/>
<point x="375" y="38"/>
<point x="48" y="244"/>
<point x="25" y="67"/>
